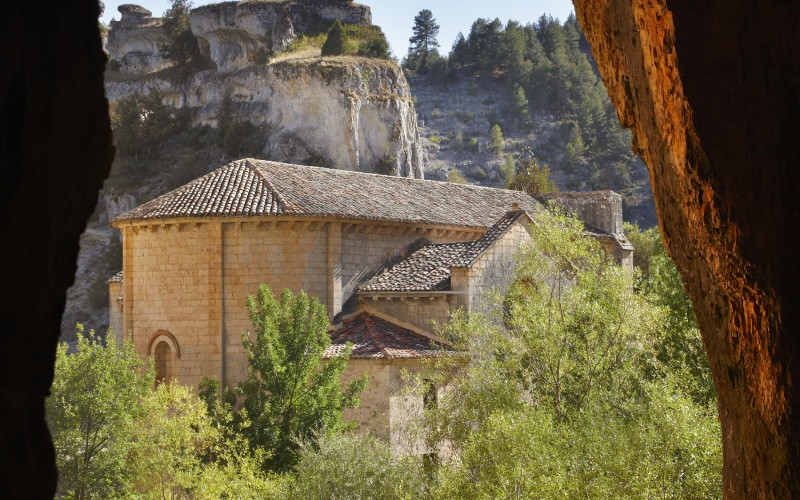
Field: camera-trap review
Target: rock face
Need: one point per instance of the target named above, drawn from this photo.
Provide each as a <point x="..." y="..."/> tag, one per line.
<point x="349" y="112"/>
<point x="56" y="151"/>
<point x="356" y="113"/>
<point x="133" y="41"/>
<point x="233" y="33"/>
<point x="711" y="95"/>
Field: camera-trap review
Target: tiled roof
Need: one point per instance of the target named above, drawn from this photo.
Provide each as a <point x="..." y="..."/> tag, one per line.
<point x="428" y="269"/>
<point x="117" y="278"/>
<point x="374" y="337"/>
<point x="257" y="187"/>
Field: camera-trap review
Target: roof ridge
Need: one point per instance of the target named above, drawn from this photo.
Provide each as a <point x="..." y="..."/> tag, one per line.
<point x="374" y="335"/>
<point x="279" y="201"/>
<point x="338" y="171"/>
<point x="491" y="237"/>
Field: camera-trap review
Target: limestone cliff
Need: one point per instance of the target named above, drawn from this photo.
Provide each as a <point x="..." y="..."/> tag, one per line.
<point x="356" y="113"/>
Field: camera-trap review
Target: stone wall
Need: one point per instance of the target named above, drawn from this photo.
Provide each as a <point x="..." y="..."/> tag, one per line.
<point x="601" y="209"/>
<point x="115" y="310"/>
<point x="422" y="311"/>
<point x="494" y="269"/>
<point x="191" y="278"/>
<point x="172" y="283"/>
<point x="287" y="255"/>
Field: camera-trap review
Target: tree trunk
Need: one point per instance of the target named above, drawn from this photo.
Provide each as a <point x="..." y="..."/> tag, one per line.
<point x="712" y="92"/>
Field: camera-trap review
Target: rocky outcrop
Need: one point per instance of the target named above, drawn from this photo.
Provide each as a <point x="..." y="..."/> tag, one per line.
<point x="56" y="151"/>
<point x="233" y="34"/>
<point x="355" y="113"/>
<point x="710" y="92"/>
<point x="133" y="41"/>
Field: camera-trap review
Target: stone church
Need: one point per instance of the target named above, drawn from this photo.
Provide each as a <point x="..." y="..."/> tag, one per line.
<point x="388" y="256"/>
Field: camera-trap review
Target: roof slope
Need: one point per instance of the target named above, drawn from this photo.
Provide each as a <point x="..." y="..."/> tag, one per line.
<point x="256" y="187"/>
<point x="428" y="268"/>
<point x="374" y="337"/>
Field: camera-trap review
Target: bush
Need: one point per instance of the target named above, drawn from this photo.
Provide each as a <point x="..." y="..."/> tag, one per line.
<point x="356" y="467"/>
<point x="455" y="176"/>
<point x="436" y="113"/>
<point x="387" y="165"/>
<point x="465" y="116"/>
<point x="336" y="43"/>
<point x="435" y="139"/>
<point x="376" y="46"/>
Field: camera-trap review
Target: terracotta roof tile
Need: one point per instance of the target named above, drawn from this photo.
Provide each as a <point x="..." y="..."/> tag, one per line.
<point x="374" y="337"/>
<point x="428" y="268"/>
<point x="257" y="187"/>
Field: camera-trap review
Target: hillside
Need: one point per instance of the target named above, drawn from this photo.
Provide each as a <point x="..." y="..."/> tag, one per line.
<point x="537" y="83"/>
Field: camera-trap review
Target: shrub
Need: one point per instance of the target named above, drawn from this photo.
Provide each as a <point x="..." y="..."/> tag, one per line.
<point x="376" y="46"/>
<point x="336" y="43"/>
<point x="455" y="176"/>
<point x="352" y="466"/>
<point x="436" y="113"/>
<point x="387" y="165"/>
<point x="434" y="139"/>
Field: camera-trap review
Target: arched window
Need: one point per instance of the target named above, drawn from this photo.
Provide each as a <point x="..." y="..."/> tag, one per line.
<point x="163" y="361"/>
<point x="165" y="351"/>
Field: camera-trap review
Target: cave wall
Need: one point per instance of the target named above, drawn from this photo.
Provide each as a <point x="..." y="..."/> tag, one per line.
<point x="711" y="91"/>
<point x="55" y="151"/>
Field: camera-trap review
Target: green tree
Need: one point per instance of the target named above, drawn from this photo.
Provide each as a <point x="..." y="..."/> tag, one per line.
<point x="563" y="394"/>
<point x="496" y="142"/>
<point x="531" y="177"/>
<point x="180" y="45"/>
<point x="509" y="170"/>
<point x="519" y="104"/>
<point x="291" y="395"/>
<point x="459" y="54"/>
<point x="141" y="122"/>
<point x="424" y="38"/>
<point x="96" y="397"/>
<point x="336" y="42"/>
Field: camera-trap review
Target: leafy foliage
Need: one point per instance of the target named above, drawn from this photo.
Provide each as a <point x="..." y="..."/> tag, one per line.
<point x="117" y="436"/>
<point x="356" y="467"/>
<point x="565" y="395"/>
<point x="290" y="395"/>
<point x="681" y="349"/>
<point x="95" y="399"/>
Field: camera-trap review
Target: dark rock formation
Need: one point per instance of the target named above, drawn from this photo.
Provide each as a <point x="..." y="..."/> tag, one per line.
<point x="711" y="92"/>
<point x="55" y="151"/>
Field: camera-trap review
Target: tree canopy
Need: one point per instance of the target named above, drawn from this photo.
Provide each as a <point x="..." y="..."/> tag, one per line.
<point x="291" y="395"/>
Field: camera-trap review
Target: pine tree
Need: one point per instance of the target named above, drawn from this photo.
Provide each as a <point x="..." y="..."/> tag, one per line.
<point x="459" y="54"/>
<point x="424" y="39"/>
<point x="496" y="142"/>
<point x="336" y="42"/>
